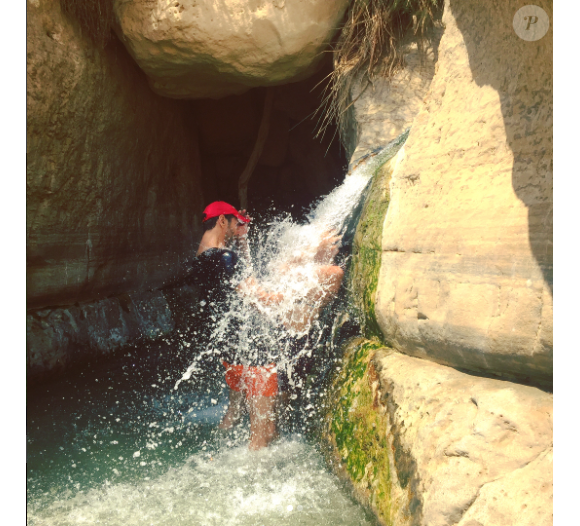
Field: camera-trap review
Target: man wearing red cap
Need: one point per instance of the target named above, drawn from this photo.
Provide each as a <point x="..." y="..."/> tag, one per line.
<point x="220" y="278"/>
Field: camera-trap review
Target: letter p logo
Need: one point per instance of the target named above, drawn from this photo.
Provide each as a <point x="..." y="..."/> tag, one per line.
<point x="531" y="23"/>
<point x="531" y="20"/>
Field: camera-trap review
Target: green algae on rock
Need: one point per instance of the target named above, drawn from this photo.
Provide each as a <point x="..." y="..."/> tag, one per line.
<point x="355" y="431"/>
<point x="366" y="253"/>
<point x="355" y="426"/>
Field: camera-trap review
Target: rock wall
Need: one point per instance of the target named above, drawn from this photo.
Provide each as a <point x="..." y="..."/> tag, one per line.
<point x="60" y="337"/>
<point x="466" y="274"/>
<point x="114" y="195"/>
<point x="117" y="177"/>
<point x="191" y="49"/>
<point x="424" y="444"/>
<point x="452" y="275"/>
<point x="386" y="107"/>
<point x="365" y="264"/>
<point x="113" y="170"/>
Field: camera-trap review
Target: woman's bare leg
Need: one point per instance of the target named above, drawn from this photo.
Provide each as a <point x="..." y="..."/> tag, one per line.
<point x="330" y="278"/>
<point x="262" y="420"/>
<point x="234" y="412"/>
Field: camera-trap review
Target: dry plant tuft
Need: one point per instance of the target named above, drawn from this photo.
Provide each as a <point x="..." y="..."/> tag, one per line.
<point x="95" y="18"/>
<point x="372" y="35"/>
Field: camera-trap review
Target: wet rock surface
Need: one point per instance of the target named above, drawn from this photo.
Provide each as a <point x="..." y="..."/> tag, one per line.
<point x="367" y="251"/>
<point x="59" y="337"/>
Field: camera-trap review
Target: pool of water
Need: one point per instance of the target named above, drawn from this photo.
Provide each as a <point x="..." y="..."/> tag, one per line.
<point x="118" y="445"/>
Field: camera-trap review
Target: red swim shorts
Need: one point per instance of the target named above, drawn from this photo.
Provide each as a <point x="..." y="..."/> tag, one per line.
<point x="255" y="381"/>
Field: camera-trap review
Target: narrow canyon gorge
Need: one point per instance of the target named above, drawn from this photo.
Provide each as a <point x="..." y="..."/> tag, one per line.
<point x="434" y="402"/>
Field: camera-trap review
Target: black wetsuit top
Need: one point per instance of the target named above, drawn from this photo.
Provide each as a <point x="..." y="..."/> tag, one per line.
<point x="229" y="324"/>
<point x="213" y="272"/>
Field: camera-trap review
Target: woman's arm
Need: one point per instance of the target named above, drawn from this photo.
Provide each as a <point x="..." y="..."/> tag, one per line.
<point x="322" y="254"/>
<point x="250" y="287"/>
<point x="329" y="276"/>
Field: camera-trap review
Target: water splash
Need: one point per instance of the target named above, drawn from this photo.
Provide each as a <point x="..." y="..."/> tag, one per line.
<point x="157" y="459"/>
<point x="284" y="260"/>
<point x="286" y="484"/>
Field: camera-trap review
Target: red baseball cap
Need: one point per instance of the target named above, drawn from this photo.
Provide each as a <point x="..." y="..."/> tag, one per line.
<point x="217" y="208"/>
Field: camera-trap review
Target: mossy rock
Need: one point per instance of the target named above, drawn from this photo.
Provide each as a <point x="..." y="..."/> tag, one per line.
<point x="366" y="255"/>
<point x="356" y="431"/>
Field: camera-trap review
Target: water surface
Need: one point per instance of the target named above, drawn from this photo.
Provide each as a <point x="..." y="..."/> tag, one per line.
<point x="118" y="446"/>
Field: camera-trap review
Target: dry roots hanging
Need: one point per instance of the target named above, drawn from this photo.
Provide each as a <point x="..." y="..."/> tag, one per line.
<point x="372" y="35"/>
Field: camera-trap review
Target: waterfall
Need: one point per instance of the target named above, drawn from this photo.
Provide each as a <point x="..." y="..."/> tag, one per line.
<point x="277" y="243"/>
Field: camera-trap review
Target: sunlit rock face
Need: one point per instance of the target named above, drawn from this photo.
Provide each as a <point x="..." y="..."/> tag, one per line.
<point x="468" y="450"/>
<point x="465" y="280"/>
<point x="424" y="444"/>
<point x="385" y="108"/>
<point x="466" y="272"/>
<point x="210" y="49"/>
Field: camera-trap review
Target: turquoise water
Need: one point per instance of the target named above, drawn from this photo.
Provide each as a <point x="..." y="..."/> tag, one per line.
<point x="120" y="446"/>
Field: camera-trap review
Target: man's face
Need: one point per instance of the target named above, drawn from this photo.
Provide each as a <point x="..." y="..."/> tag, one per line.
<point x="235" y="230"/>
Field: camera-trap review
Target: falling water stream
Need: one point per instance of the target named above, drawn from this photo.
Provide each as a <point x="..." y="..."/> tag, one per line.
<point x="135" y="441"/>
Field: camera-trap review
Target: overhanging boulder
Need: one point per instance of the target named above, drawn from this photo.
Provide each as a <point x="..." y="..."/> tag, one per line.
<point x="192" y="49"/>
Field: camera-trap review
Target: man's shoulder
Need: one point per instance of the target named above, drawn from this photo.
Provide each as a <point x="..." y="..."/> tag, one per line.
<point x="229" y="260"/>
<point x="217" y="253"/>
<point x="229" y="256"/>
<point x="223" y="257"/>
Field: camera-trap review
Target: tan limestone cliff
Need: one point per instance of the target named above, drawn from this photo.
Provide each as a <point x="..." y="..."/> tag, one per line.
<point x="425" y="445"/>
<point x="386" y="107"/>
<point x="465" y="280"/>
<point x="463" y="441"/>
<point x="466" y="272"/>
<point x="210" y="49"/>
